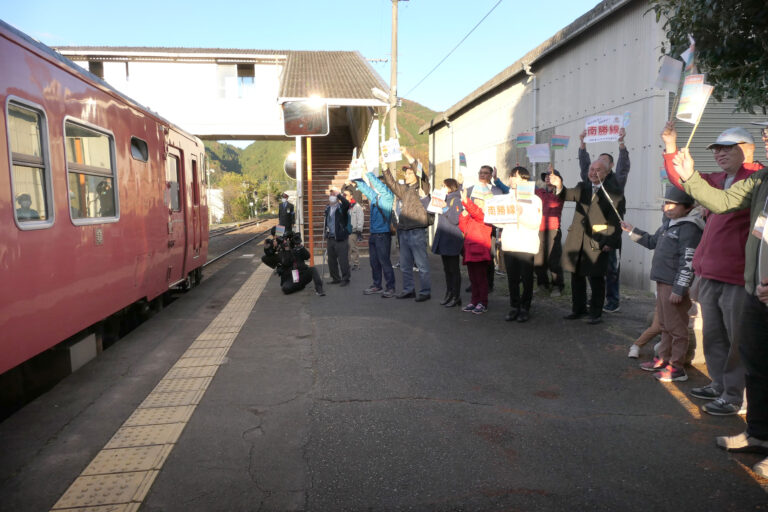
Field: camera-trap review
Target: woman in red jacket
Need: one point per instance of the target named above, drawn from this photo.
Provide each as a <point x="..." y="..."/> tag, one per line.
<point x="477" y="253"/>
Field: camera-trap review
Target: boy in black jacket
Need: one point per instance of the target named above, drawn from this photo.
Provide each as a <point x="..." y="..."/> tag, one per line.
<point x="674" y="244"/>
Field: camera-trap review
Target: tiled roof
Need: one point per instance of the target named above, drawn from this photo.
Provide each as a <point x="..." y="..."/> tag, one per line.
<point x="329" y="75"/>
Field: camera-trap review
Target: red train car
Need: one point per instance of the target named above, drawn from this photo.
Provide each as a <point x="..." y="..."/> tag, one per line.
<point x="101" y="201"/>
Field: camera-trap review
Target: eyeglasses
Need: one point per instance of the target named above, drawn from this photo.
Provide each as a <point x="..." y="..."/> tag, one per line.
<point x="723" y="149"/>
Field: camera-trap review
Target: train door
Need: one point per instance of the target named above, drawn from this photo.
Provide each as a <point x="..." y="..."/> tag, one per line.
<point x="174" y="199"/>
<point x="196" y="224"/>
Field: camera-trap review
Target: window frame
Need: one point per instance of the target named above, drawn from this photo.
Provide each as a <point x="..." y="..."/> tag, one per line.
<point x="83" y="169"/>
<point x="146" y="146"/>
<point x="46" y="158"/>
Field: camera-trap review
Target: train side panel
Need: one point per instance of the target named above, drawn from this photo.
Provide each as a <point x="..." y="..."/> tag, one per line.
<point x="86" y="258"/>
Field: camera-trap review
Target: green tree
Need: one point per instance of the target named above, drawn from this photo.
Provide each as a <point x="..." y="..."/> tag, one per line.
<point x="237" y="193"/>
<point x="731" y="44"/>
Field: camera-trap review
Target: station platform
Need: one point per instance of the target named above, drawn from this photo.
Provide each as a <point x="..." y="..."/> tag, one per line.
<point x="239" y="398"/>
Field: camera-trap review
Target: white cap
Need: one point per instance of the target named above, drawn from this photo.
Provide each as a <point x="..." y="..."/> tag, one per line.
<point x="733" y="136"/>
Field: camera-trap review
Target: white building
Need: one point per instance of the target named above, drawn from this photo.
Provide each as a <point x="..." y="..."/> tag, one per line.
<point x="604" y="62"/>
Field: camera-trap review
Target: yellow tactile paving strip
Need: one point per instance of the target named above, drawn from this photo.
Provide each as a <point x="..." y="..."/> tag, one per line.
<point x="120" y="476"/>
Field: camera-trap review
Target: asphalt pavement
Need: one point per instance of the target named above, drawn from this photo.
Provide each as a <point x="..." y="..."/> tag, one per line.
<point x="353" y="402"/>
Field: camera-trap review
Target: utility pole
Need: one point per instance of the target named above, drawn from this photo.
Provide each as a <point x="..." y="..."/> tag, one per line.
<point x="393" y="76"/>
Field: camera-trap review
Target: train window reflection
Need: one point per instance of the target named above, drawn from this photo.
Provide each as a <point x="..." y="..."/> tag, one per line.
<point x="91" y="174"/>
<point x="172" y="178"/>
<point x="29" y="168"/>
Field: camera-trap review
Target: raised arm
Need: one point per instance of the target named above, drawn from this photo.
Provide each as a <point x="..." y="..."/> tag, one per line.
<point x="584" y="160"/>
<point x="622" y="165"/>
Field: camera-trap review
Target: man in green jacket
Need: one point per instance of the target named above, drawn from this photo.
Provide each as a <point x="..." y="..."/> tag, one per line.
<point x="751" y="193"/>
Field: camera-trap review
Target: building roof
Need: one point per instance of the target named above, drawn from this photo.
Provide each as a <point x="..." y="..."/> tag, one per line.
<point x="561" y="38"/>
<point x="341" y="77"/>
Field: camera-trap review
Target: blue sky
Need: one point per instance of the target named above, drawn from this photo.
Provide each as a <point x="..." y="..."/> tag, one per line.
<point x="428" y="30"/>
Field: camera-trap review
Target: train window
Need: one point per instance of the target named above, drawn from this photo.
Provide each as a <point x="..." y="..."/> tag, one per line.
<point x="195" y="184"/>
<point x="172" y="178"/>
<point x="139" y="149"/>
<point x="91" y="173"/>
<point x="29" y="167"/>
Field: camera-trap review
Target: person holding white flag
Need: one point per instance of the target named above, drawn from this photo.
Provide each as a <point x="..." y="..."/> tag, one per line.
<point x="612" y="295"/>
<point x="719" y="267"/>
<point x="594" y="232"/>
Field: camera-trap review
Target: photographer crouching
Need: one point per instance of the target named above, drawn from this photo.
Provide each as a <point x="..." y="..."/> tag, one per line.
<point x="288" y="257"/>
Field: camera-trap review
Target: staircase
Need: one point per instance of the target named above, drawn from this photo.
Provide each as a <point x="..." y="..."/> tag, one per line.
<point x="331" y="156"/>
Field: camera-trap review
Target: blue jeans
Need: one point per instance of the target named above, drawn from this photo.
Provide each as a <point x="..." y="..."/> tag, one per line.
<point x="612" y="279"/>
<point x="413" y="251"/>
<point x="379" y="245"/>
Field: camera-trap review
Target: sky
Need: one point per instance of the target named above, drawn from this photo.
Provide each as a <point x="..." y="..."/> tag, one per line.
<point x="427" y="31"/>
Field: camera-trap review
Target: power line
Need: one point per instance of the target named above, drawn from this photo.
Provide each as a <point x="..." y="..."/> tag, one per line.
<point x="454" y="48"/>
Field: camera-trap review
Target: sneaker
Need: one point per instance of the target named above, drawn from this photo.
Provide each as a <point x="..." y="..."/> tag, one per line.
<point x="653" y="366"/>
<point x="742" y="443"/>
<point x="468" y="308"/>
<point x="396" y="265"/>
<point x="720" y="407"/>
<point x="761" y="468"/>
<point x="415" y="269"/>
<point x="479" y="309"/>
<point x="388" y="294"/>
<point x="671" y="374"/>
<point x="611" y="308"/>
<point x="705" y="393"/>
<point x="634" y="351"/>
<point x="319" y="292"/>
<point x="371" y="290"/>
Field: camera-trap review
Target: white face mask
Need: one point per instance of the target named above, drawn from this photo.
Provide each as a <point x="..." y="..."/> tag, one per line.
<point x="285" y="200"/>
<point x="332" y="199"/>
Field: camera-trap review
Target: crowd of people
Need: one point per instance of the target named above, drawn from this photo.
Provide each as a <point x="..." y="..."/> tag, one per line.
<point x="705" y="261"/>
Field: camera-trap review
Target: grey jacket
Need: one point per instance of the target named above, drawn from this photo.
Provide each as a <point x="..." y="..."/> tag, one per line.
<point x="413" y="214"/>
<point x="674" y="245"/>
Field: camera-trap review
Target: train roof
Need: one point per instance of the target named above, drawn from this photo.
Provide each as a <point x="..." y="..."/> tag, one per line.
<point x="83" y="73"/>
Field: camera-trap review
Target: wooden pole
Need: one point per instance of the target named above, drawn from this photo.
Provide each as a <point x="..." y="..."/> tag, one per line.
<point x="692" y="132"/>
<point x="310" y="238"/>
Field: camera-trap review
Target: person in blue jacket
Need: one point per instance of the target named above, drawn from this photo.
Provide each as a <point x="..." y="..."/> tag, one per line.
<point x="449" y="241"/>
<point x="382" y="200"/>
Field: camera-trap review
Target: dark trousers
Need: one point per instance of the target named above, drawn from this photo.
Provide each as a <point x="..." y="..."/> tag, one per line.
<point x="305" y="276"/>
<point x="379" y="247"/>
<point x="579" y="294"/>
<point x="478" y="278"/>
<point x="519" y="267"/>
<point x="547" y="261"/>
<point x="452" y="275"/>
<point x="754" y="355"/>
<point x="338" y="258"/>
<point x="612" y="278"/>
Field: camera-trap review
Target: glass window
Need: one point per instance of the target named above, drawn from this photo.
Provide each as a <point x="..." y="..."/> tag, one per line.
<point x="29" y="169"/>
<point x="91" y="173"/>
<point x="172" y="179"/>
<point x="139" y="149"/>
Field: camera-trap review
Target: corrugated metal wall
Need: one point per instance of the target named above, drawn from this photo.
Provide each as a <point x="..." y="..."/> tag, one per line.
<point x="610" y="68"/>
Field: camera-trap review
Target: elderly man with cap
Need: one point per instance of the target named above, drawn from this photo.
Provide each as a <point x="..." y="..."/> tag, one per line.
<point x="719" y="265"/>
<point x="286" y="213"/>
<point x="750" y="195"/>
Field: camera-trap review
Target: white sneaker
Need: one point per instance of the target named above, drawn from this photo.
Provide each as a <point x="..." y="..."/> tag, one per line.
<point x="761" y="468"/>
<point x="634" y="351"/>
